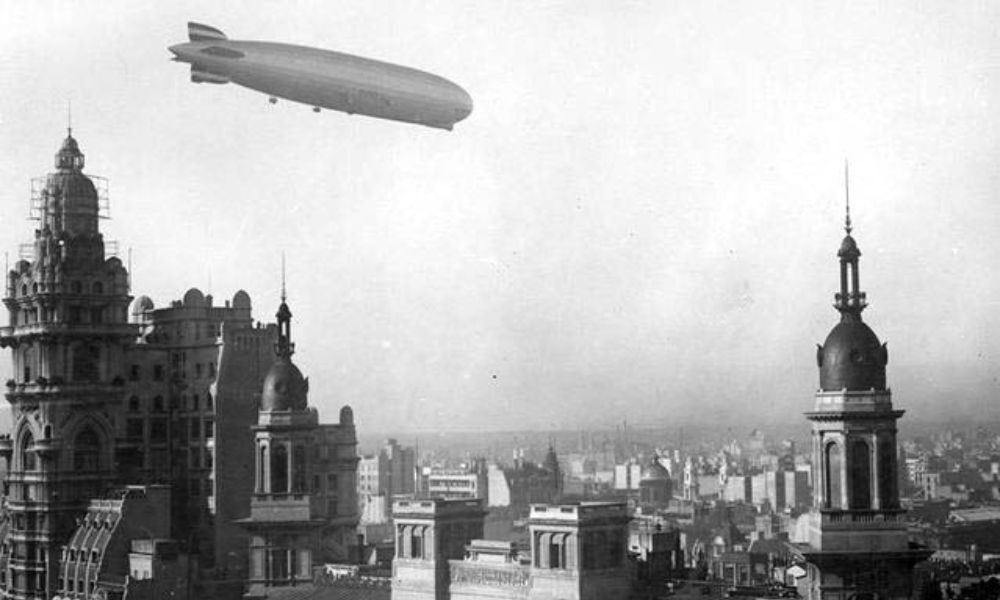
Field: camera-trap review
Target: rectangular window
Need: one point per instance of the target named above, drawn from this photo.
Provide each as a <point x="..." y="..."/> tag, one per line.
<point x="209" y="460"/>
<point x="134" y="373"/>
<point x="158" y="372"/>
<point x="194" y="428"/>
<point x="209" y="429"/>
<point x="197" y="370"/>
<point x="195" y="487"/>
<point x="211" y="369"/>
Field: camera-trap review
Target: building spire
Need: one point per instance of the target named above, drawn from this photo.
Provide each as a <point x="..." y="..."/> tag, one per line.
<point x="283" y="294"/>
<point x="284" y="348"/>
<point x="69" y="117"/>
<point x="850" y="301"/>
<point x="847" y="199"/>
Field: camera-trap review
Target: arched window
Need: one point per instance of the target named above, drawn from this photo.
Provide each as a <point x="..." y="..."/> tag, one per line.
<point x="888" y="496"/>
<point x="86" y="451"/>
<point x="861" y="475"/>
<point x="279" y="469"/>
<point x="299" y="470"/>
<point x="833" y="463"/>
<point x="29" y="461"/>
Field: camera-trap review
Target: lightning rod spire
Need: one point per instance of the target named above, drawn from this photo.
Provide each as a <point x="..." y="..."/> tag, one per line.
<point x="847" y="199"/>
<point x="283" y="276"/>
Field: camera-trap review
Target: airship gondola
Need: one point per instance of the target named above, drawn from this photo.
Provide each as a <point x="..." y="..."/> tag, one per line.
<point x="324" y="78"/>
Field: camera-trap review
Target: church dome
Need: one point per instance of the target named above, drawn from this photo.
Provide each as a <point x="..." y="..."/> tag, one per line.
<point x="852" y="358"/>
<point x="654" y="471"/>
<point x="284" y="387"/>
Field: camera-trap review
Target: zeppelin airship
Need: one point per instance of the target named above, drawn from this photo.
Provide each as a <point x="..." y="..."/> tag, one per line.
<point x="324" y="79"/>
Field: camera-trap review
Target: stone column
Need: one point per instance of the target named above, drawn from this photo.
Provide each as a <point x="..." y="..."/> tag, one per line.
<point x="876" y="497"/>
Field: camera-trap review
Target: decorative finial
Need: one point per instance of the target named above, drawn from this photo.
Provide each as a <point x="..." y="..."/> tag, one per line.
<point x="847" y="199"/>
<point x="69" y="117"/>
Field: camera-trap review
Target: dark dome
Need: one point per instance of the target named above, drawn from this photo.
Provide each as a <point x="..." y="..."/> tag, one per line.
<point x="73" y="185"/>
<point x="284" y="387"/>
<point x="849" y="248"/>
<point x="852" y="358"/>
<point x="69" y="156"/>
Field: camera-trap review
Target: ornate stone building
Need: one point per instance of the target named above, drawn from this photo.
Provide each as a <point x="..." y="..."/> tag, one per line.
<point x="104" y="396"/>
<point x="858" y="546"/>
<point x="304" y="510"/>
<point x="193" y="378"/>
<point x="69" y="330"/>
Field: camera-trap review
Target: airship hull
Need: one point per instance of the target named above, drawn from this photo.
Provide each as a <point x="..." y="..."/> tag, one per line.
<point x="327" y="79"/>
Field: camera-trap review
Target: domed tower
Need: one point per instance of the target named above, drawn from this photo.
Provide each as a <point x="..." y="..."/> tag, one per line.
<point x="68" y="305"/>
<point x="304" y="509"/>
<point x="655" y="486"/>
<point x="857" y="535"/>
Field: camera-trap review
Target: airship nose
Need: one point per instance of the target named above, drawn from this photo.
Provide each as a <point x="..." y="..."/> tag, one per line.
<point x="463" y="104"/>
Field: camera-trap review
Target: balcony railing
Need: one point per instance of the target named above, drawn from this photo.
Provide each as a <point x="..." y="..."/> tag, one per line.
<point x="864" y="519"/>
<point x="490" y="575"/>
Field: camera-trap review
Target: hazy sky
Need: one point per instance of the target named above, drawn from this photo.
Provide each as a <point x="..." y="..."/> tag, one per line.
<point x="638" y="221"/>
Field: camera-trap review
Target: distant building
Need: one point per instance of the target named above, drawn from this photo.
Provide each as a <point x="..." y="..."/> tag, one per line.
<point x="383" y="475"/>
<point x="458" y="483"/>
<point x="525" y="483"/>
<point x="655" y="486"/>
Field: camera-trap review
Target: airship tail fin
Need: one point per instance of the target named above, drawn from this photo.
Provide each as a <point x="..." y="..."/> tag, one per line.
<point x="203" y="33"/>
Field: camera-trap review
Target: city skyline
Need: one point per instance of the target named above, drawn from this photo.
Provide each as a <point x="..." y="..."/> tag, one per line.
<point x="640" y="217"/>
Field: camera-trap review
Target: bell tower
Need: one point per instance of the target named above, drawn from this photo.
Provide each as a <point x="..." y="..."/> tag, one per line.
<point x="68" y="327"/>
<point x="857" y="536"/>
